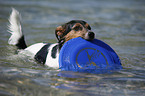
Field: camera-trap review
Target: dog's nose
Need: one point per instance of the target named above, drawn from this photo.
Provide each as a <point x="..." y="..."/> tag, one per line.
<point x="91" y="35"/>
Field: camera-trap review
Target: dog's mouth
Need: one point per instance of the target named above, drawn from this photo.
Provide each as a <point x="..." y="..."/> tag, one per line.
<point x="89" y="36"/>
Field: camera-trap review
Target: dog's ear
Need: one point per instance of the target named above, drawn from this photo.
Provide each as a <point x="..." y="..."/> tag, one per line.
<point x="59" y="32"/>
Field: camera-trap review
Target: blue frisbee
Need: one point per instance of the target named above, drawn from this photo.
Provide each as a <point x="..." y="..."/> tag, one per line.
<point x="94" y="56"/>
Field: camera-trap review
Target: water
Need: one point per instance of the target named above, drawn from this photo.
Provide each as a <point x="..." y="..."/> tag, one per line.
<point x="121" y="24"/>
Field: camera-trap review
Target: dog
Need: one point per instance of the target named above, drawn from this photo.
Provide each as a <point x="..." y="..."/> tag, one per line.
<point x="47" y="53"/>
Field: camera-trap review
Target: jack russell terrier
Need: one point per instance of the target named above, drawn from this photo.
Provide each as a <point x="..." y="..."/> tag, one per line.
<point x="47" y="53"/>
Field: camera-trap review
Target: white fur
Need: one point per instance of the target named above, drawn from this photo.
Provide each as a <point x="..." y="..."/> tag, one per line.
<point x="51" y="62"/>
<point x="14" y="27"/>
<point x="35" y="48"/>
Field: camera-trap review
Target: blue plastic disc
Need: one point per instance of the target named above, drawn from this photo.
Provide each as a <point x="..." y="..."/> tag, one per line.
<point x="88" y="56"/>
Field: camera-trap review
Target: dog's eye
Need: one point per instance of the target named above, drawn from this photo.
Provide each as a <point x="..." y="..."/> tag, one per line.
<point x="77" y="28"/>
<point x="89" y="27"/>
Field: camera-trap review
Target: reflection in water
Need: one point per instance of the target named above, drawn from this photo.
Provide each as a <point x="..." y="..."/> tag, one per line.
<point x="118" y="23"/>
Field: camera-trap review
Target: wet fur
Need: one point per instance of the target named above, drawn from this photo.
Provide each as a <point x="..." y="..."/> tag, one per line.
<point x="46" y="53"/>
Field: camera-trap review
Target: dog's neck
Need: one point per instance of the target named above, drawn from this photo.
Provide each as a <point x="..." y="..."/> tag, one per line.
<point x="61" y="43"/>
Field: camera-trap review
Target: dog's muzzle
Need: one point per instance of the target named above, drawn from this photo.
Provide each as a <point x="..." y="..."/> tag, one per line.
<point x="89" y="35"/>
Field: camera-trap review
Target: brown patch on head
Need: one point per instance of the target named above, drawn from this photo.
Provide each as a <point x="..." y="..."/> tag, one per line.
<point x="78" y="30"/>
<point x="72" y="29"/>
<point x="77" y="27"/>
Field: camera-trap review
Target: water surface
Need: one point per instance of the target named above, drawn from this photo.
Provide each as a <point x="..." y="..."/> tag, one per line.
<point x="121" y="24"/>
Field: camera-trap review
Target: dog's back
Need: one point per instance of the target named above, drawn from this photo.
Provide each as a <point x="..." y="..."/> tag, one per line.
<point x="44" y="53"/>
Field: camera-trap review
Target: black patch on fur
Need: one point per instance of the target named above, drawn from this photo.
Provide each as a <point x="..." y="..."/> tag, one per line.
<point x="21" y="43"/>
<point x="61" y="43"/>
<point x="54" y="51"/>
<point x="42" y="54"/>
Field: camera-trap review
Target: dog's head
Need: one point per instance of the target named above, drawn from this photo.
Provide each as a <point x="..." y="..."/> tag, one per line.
<point x="73" y="29"/>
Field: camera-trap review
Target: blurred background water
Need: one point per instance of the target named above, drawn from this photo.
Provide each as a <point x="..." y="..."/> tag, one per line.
<point x="119" y="23"/>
